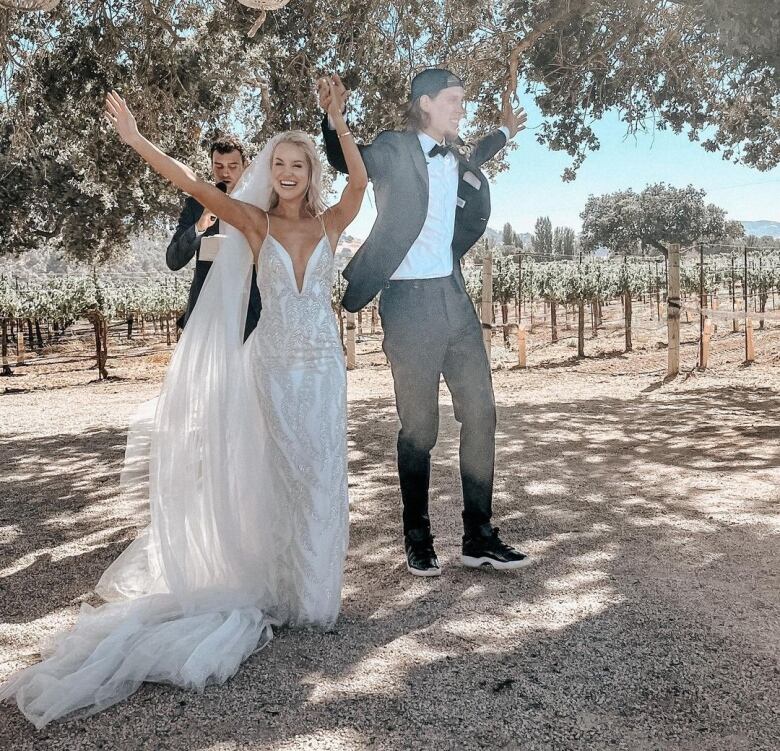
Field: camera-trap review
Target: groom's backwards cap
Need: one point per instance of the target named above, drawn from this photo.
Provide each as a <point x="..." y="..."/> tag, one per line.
<point x="432" y="81"/>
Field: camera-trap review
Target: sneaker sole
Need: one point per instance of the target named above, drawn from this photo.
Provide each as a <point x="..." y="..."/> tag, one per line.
<point x="471" y="562"/>
<point x="421" y="572"/>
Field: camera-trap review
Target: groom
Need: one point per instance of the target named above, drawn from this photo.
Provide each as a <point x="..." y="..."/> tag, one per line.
<point x="433" y="204"/>
<point x="228" y="161"/>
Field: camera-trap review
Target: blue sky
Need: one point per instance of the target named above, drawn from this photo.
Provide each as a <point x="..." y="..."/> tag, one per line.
<point x="533" y="187"/>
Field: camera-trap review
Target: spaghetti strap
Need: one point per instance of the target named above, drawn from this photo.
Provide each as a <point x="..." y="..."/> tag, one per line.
<point x="268" y="219"/>
<point x="324" y="231"/>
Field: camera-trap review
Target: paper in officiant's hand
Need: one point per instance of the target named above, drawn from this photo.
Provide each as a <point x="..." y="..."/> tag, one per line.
<point x="209" y="247"/>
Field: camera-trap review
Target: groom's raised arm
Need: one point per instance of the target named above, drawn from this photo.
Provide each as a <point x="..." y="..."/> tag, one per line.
<point x="490" y="145"/>
<point x="512" y="122"/>
<point x="375" y="155"/>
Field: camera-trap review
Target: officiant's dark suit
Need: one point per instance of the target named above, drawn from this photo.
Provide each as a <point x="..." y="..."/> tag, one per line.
<point x="185" y="244"/>
<point x="430" y="326"/>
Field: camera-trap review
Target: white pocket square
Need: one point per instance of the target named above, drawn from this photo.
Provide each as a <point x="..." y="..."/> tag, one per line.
<point x="472" y="180"/>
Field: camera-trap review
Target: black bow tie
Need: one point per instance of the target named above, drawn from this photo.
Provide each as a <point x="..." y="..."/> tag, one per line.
<point x="439" y="150"/>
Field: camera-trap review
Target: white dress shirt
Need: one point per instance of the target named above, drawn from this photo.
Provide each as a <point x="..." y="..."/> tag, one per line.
<point x="430" y="255"/>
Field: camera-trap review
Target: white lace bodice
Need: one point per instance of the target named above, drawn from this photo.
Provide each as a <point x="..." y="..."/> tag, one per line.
<point x="295" y="324"/>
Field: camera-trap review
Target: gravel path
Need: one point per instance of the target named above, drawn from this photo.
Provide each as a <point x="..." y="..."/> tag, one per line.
<point x="649" y="621"/>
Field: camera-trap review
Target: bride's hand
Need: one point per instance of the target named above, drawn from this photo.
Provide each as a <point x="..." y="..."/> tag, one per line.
<point x="119" y="115"/>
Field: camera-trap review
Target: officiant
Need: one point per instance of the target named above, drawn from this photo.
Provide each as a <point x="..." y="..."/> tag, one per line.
<point x="228" y="161"/>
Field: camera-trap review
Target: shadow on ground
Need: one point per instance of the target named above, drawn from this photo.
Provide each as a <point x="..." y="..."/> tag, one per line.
<point x="648" y="622"/>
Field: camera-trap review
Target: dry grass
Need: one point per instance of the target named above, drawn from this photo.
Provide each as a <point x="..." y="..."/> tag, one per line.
<point x="650" y="620"/>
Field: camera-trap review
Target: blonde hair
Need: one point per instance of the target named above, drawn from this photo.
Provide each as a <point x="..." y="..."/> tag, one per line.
<point x="314" y="202"/>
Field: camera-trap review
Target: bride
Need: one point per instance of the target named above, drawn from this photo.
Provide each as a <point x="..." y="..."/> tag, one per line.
<point x="243" y="460"/>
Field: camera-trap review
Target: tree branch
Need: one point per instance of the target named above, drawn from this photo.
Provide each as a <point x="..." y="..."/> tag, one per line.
<point x="567" y="10"/>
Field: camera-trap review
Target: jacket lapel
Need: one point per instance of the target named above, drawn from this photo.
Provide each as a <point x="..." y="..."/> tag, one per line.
<point x="418" y="158"/>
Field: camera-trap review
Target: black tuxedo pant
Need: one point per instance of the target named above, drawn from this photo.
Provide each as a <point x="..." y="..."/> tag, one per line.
<point x="431" y="330"/>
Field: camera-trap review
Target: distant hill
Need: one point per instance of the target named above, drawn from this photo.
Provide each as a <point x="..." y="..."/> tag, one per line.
<point x="495" y="237"/>
<point x="762" y="227"/>
<point x="145" y="257"/>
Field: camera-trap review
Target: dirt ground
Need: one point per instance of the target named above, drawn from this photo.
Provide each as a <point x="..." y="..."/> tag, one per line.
<point x="650" y="620"/>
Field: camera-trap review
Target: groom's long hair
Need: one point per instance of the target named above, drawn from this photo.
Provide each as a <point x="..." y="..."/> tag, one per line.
<point x="314" y="202"/>
<point x="415" y="117"/>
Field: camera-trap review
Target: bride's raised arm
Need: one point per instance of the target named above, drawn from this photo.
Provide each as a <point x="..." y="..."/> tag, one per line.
<point x="348" y="206"/>
<point x="248" y="219"/>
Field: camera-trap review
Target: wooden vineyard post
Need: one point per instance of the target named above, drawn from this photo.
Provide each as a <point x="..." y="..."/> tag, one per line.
<point x="554" y="320"/>
<point x="519" y="287"/>
<point x="750" y="353"/>
<point x="351" y="360"/>
<point x="673" y="311"/>
<point x="487" y="302"/>
<point x="628" y="312"/>
<point x="734" y="324"/>
<point x="705" y="344"/>
<point x="581" y="328"/>
<point x="373" y="318"/>
<point x="702" y="305"/>
<point x="521" y="346"/>
<point x="20" y="353"/>
<point x="750" y="349"/>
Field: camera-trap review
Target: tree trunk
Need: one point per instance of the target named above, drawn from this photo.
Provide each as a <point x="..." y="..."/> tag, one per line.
<point x="38" y="335"/>
<point x="4" y="347"/>
<point x="628" y="310"/>
<point x="505" y="322"/>
<point x="100" y="347"/>
<point x="581" y="329"/>
<point x="129" y="327"/>
<point x="554" y="320"/>
<point x="104" y="343"/>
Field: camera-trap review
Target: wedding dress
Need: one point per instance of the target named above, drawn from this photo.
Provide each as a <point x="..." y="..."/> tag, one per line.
<point x="243" y="461"/>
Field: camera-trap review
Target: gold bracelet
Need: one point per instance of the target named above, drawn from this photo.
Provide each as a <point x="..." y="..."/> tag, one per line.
<point x="345" y="133"/>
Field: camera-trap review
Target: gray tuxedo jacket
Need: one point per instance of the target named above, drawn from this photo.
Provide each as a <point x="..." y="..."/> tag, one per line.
<point x="397" y="168"/>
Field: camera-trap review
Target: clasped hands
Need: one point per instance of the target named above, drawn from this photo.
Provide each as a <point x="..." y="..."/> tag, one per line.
<point x="333" y="95"/>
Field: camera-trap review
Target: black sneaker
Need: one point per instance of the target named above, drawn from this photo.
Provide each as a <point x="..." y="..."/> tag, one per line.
<point x="421" y="558"/>
<point x="480" y="549"/>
